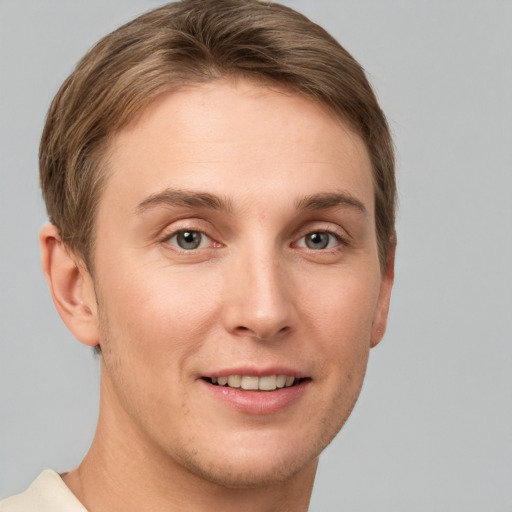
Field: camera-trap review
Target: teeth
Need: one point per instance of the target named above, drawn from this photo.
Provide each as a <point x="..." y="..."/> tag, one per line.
<point x="280" y="381"/>
<point x="252" y="383"/>
<point x="234" y="381"/>
<point x="268" y="383"/>
<point x="249" y="383"/>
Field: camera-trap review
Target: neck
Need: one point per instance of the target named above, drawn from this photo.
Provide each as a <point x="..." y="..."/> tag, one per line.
<point x="124" y="471"/>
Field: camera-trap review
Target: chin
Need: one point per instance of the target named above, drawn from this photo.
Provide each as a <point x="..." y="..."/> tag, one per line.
<point x="251" y="473"/>
<point x="250" y="460"/>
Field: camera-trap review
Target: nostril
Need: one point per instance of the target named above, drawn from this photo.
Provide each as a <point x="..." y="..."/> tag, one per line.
<point x="243" y="330"/>
<point x="261" y="335"/>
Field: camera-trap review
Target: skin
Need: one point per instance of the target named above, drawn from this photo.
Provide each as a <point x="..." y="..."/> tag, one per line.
<point x="253" y="294"/>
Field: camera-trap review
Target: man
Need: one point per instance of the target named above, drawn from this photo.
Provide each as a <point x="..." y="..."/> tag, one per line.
<point x="220" y="184"/>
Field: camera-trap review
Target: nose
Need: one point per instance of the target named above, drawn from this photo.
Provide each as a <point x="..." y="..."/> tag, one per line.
<point x="259" y="299"/>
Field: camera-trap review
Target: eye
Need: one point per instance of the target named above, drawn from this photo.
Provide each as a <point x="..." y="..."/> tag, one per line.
<point x="188" y="239"/>
<point x="319" y="240"/>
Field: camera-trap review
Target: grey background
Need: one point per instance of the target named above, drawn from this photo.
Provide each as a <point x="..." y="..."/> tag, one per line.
<point x="433" y="427"/>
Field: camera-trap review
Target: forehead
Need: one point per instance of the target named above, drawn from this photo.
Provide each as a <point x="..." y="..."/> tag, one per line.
<point x="228" y="137"/>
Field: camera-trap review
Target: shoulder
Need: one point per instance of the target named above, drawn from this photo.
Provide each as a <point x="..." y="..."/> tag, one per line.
<point x="47" y="493"/>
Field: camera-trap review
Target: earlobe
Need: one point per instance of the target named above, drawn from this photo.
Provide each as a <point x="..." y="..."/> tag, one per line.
<point x="381" y="314"/>
<point x="71" y="286"/>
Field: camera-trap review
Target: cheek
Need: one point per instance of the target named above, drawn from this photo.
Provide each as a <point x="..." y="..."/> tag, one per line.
<point x="151" y="315"/>
<point x="151" y="330"/>
<point x="342" y="303"/>
<point x="341" y="319"/>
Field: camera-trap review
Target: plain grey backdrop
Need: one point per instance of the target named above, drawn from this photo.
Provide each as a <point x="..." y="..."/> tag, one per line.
<point x="432" y="430"/>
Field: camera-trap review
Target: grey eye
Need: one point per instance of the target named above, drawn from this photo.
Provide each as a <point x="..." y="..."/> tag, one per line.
<point x="319" y="240"/>
<point x="187" y="240"/>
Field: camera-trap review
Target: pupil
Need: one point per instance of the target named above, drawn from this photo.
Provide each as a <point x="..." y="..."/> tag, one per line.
<point x="189" y="239"/>
<point x="317" y="240"/>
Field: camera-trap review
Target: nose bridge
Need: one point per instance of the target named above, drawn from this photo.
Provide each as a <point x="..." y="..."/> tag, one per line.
<point x="260" y="302"/>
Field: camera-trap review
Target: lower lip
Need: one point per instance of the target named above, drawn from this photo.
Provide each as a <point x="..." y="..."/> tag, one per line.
<point x="258" y="402"/>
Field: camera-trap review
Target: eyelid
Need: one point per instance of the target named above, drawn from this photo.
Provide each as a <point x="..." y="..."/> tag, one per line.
<point x="324" y="227"/>
<point x="340" y="242"/>
<point x="205" y="239"/>
<point x="188" y="224"/>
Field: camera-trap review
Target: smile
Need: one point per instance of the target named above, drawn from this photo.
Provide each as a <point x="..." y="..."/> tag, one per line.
<point x="254" y="383"/>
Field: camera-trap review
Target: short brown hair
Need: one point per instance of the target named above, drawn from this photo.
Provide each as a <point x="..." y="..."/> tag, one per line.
<point x="190" y="42"/>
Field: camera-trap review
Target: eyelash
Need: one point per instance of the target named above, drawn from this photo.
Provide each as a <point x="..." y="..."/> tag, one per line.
<point x="332" y="237"/>
<point x="183" y="232"/>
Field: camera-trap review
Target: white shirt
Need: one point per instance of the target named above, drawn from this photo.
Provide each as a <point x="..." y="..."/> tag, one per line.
<point x="47" y="493"/>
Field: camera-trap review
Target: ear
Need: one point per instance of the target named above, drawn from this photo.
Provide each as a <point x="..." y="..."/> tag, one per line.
<point x="71" y="286"/>
<point x="381" y="313"/>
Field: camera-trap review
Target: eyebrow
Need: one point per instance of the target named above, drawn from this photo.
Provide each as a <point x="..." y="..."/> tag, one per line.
<point x="192" y="199"/>
<point x="174" y="197"/>
<point x="325" y="201"/>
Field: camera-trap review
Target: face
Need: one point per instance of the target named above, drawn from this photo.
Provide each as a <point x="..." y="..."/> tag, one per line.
<point x="237" y="278"/>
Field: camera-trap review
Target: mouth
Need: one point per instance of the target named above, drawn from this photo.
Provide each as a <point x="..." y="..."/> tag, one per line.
<point x="255" y="383"/>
